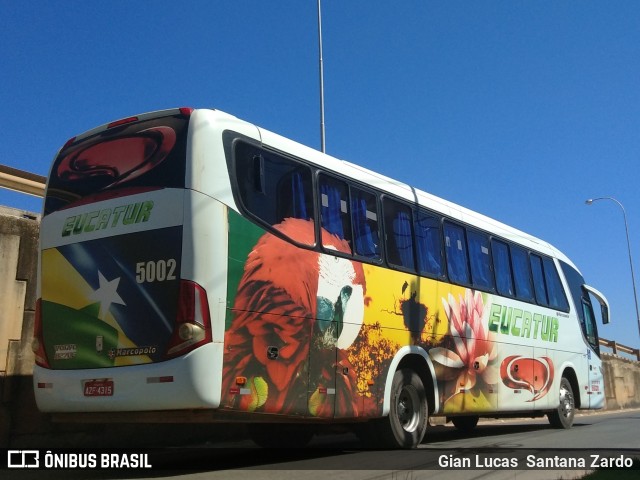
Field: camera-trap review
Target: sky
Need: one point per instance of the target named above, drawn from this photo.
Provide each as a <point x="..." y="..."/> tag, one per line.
<point x="520" y="110"/>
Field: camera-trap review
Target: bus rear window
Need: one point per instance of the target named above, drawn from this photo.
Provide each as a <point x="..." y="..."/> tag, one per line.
<point x="120" y="161"/>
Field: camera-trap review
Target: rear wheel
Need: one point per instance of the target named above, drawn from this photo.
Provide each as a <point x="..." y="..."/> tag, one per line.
<point x="466" y="423"/>
<point x="562" y="417"/>
<point x="406" y="424"/>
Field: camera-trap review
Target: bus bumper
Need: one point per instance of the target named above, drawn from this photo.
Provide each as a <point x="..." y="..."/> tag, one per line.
<point x="189" y="382"/>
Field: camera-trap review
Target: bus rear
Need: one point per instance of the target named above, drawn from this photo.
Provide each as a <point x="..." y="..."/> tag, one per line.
<point x="121" y="322"/>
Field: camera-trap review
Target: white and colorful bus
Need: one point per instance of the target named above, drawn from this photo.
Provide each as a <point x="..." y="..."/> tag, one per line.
<point x="193" y="264"/>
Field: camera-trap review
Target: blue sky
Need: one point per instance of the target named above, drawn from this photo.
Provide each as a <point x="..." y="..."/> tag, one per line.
<point x="520" y="110"/>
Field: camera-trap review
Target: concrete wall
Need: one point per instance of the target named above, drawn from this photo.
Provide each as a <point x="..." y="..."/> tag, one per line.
<point x="622" y="382"/>
<point x="19" y="233"/>
<point x="22" y="425"/>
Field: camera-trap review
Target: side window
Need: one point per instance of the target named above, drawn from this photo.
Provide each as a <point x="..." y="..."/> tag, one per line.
<point x="538" y="280"/>
<point x="502" y="267"/>
<point x="364" y="219"/>
<point x="557" y="297"/>
<point x="455" y="247"/>
<point x="274" y="188"/>
<point x="589" y="327"/>
<point x="399" y="235"/>
<point x="429" y="245"/>
<point x="575" y="282"/>
<point x="334" y="205"/>
<point x="521" y="273"/>
<point x="480" y="260"/>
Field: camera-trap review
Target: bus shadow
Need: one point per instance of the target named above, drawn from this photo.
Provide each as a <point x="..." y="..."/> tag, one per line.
<point x="439" y="433"/>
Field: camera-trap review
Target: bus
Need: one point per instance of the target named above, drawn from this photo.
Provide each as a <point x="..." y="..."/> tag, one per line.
<point x="193" y="265"/>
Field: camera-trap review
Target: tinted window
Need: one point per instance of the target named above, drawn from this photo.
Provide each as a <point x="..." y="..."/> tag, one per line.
<point x="399" y="235"/>
<point x="555" y="292"/>
<point x="480" y="260"/>
<point x="589" y="327"/>
<point x="130" y="159"/>
<point x="334" y="207"/>
<point x="456" y="251"/>
<point x="582" y="303"/>
<point x="538" y="280"/>
<point x="364" y="219"/>
<point x="429" y="245"/>
<point x="521" y="273"/>
<point x="271" y="187"/>
<point x="502" y="268"/>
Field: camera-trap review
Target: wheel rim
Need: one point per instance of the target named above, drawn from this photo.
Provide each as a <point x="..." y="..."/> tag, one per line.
<point x="566" y="402"/>
<point x="407" y="408"/>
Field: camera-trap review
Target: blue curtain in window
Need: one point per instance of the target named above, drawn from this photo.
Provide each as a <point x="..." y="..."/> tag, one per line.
<point x="479" y="260"/>
<point x="521" y="274"/>
<point x="456" y="255"/>
<point x="403" y="239"/>
<point x="428" y="246"/>
<point x="299" y="203"/>
<point x="502" y="268"/>
<point x="331" y="216"/>
<point x="363" y="241"/>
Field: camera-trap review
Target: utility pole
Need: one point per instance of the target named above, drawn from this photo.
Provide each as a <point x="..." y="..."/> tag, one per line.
<point x="322" y="134"/>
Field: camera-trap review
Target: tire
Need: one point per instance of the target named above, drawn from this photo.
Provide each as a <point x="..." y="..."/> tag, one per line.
<point x="466" y="423"/>
<point x="562" y="417"/>
<point x="271" y="435"/>
<point x="406" y="424"/>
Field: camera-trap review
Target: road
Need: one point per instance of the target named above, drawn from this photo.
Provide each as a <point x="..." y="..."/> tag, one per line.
<point x="518" y="443"/>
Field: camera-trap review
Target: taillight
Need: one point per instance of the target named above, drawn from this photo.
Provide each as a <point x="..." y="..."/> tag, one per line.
<point x="193" y="324"/>
<point x="38" y="339"/>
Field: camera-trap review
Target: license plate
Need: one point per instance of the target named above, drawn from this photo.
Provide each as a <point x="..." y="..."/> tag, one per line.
<point x="98" y="388"/>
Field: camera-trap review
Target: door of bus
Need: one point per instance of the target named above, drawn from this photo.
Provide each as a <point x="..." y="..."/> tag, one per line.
<point x="595" y="388"/>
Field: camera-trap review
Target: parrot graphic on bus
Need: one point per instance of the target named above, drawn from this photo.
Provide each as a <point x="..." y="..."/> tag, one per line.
<point x="295" y="313"/>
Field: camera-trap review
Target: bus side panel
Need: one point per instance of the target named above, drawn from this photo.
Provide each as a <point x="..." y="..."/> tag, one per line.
<point x="490" y="354"/>
<point x="205" y="252"/>
<point x="204" y="261"/>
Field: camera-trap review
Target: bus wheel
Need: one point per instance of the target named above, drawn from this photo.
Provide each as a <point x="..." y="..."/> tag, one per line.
<point x="466" y="423"/>
<point x="562" y="417"/>
<point x="272" y="435"/>
<point x="408" y="414"/>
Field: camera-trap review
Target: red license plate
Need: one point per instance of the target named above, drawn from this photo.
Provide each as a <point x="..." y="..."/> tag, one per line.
<point x="98" y="388"/>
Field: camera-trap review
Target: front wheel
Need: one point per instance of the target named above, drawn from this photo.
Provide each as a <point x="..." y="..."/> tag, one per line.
<point x="406" y="424"/>
<point x="562" y="417"/>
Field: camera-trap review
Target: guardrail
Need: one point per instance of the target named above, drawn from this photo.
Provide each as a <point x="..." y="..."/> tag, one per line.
<point x="22" y="181"/>
<point x="616" y="348"/>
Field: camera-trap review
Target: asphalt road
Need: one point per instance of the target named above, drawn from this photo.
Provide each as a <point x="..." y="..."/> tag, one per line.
<point x="518" y="448"/>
